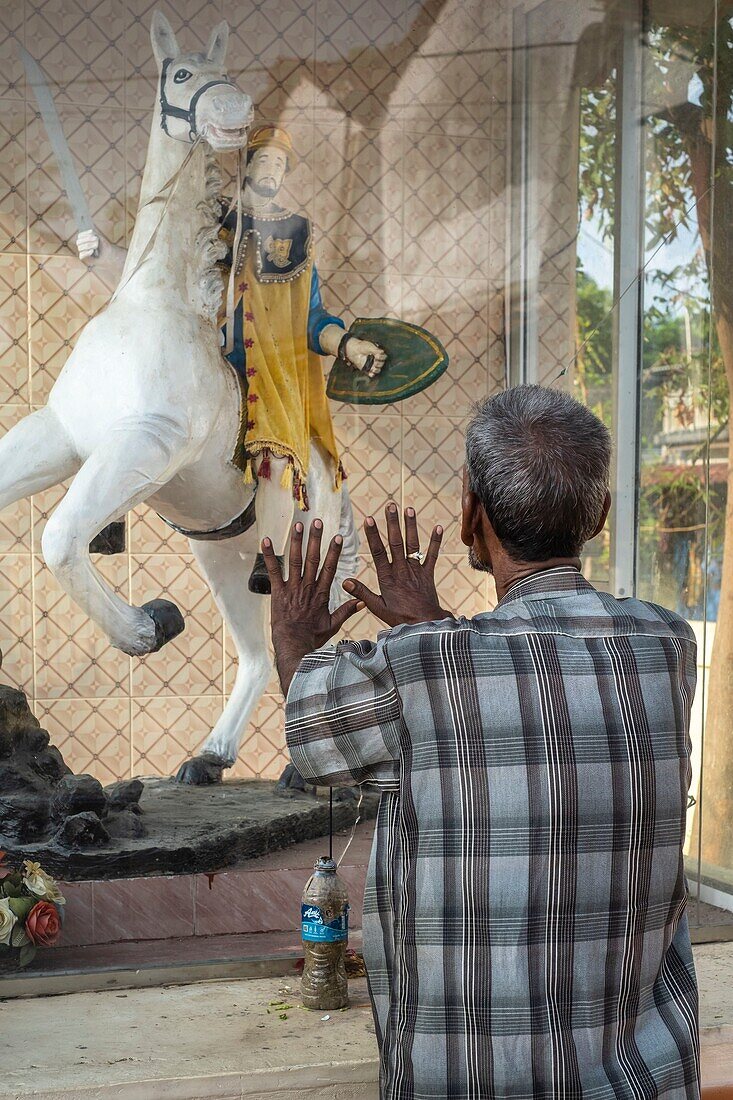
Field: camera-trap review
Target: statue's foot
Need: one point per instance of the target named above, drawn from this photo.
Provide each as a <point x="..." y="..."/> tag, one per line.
<point x="168" y="621"/>
<point x="203" y="770"/>
<point x="259" y="578"/>
<point x="289" y="782"/>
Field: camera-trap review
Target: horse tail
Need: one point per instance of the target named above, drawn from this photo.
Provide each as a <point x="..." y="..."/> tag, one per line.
<point x="349" y="560"/>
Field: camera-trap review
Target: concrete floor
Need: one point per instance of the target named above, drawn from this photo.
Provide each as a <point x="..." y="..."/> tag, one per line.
<point x="218" y="1039"/>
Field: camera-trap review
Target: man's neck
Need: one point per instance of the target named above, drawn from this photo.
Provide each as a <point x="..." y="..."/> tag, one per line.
<point x="508" y="573"/>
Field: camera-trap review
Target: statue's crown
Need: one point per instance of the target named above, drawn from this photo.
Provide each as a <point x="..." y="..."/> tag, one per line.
<point x="273" y="135"/>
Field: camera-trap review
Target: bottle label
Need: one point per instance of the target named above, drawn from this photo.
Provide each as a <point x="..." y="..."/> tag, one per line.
<point x="315" y="930"/>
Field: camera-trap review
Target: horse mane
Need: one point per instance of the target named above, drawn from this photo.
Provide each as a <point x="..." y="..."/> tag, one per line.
<point x="209" y="248"/>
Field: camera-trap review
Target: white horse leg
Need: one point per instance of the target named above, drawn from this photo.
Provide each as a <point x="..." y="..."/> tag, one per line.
<point x="34" y="455"/>
<point x="274" y="507"/>
<point x="136" y="459"/>
<point x="225" y="566"/>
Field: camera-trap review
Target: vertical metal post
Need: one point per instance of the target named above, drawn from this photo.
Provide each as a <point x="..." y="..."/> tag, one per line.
<point x="628" y="318"/>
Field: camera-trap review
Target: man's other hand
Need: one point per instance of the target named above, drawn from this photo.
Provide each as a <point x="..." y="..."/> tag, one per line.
<point x="406" y="580"/>
<point x="301" y="619"/>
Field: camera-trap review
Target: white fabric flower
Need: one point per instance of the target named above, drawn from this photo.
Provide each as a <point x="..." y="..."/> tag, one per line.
<point x="8" y="920"/>
<point x="37" y="882"/>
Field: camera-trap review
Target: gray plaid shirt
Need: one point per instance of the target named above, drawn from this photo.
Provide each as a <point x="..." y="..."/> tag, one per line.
<point x="524" y="919"/>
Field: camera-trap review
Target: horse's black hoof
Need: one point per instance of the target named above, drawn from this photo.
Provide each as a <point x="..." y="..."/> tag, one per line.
<point x="203" y="770"/>
<point x="168" y="621"/>
<point x="259" y="578"/>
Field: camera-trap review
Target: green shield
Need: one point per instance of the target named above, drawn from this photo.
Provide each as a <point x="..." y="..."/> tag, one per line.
<point x="415" y="358"/>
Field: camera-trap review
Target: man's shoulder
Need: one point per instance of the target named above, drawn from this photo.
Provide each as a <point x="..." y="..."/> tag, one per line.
<point x="592" y="614"/>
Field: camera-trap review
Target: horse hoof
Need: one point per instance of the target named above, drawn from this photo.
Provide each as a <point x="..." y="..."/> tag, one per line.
<point x="168" y="621"/>
<point x="203" y="770"/>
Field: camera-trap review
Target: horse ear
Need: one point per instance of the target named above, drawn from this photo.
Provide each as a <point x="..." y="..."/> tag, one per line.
<point x="217" y="48"/>
<point x="162" y="38"/>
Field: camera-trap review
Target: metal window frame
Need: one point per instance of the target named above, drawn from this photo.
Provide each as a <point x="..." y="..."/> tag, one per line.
<point x="523" y="338"/>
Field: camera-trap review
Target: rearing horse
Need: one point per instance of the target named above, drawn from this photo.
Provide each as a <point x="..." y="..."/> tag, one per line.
<point x="147" y="409"/>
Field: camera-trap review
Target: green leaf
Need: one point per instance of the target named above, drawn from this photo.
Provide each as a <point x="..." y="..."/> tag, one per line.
<point x="11" y="889"/>
<point x="21" y="906"/>
<point x="27" y="954"/>
<point x="19" y="936"/>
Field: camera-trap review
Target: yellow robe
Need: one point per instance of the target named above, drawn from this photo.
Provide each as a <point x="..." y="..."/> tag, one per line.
<point x="287" y="406"/>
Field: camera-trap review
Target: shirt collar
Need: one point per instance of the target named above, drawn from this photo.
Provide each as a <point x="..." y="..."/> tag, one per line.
<point x="548" y="582"/>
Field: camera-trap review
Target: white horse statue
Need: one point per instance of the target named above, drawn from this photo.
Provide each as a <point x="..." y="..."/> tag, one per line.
<point x="147" y="409"/>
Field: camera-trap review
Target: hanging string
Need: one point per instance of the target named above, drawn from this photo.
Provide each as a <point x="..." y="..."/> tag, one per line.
<point x="666" y="238"/>
<point x="353" y="827"/>
<point x="173" y="182"/>
<point x="229" y="344"/>
<point x="330" y="822"/>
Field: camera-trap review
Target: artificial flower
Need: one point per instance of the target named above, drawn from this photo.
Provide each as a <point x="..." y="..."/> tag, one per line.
<point x="37" y="882"/>
<point x="4" y="869"/>
<point x="43" y="925"/>
<point x="8" y="920"/>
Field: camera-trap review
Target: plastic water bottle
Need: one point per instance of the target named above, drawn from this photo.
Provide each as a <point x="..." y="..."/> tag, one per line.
<point x="325" y="933"/>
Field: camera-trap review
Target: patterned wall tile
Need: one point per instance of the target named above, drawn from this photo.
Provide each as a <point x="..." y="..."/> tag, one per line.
<point x="359" y="197"/>
<point x="192" y="662"/>
<point x="360" y="55"/>
<point x="271" y="49"/>
<point x="447" y="200"/>
<point x="94" y="735"/>
<point x="167" y="729"/>
<point x="149" y="534"/>
<point x="12" y="176"/>
<point x="96" y="137"/>
<point x="372" y="455"/>
<point x="456" y="311"/>
<point x="72" y="655"/>
<point x="456" y="79"/>
<point x="350" y="294"/>
<point x="15" y="521"/>
<point x="65" y="293"/>
<point x="262" y="754"/>
<point x="12" y="31"/>
<point x="80" y="47"/>
<point x="16" y="621"/>
<point x="14" y="379"/>
<point x="434" y="452"/>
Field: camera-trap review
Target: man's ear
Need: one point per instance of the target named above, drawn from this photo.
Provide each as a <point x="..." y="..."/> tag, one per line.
<point x="162" y="38"/>
<point x="470" y="516"/>
<point x="604" y="514"/>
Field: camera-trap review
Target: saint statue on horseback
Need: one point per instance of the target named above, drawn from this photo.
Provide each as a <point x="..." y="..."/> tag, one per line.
<point x="226" y="448"/>
<point x="280" y="329"/>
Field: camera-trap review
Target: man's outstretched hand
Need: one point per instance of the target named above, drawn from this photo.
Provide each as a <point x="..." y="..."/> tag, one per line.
<point x="301" y="620"/>
<point x="406" y="585"/>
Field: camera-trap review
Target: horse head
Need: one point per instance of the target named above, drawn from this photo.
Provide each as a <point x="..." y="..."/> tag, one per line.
<point x="197" y="98"/>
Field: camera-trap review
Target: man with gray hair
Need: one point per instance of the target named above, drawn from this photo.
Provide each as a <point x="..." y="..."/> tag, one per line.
<point x="524" y="920"/>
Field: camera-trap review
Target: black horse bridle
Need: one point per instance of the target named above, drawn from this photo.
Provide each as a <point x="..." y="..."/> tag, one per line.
<point x="168" y="110"/>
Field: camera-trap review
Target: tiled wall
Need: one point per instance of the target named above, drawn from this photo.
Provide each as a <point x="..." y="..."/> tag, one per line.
<point x="399" y="112"/>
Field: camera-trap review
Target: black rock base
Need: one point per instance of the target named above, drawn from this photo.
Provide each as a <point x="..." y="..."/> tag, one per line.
<point x="195" y="829"/>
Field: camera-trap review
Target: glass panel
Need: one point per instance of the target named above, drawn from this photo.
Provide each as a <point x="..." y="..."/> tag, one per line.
<point x="625" y="224"/>
<point x="398" y="115"/>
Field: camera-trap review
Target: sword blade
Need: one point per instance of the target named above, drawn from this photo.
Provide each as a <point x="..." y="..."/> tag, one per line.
<point x="54" y="129"/>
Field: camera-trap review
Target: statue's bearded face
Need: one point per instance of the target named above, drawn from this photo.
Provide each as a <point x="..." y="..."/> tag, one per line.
<point x="266" y="171"/>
